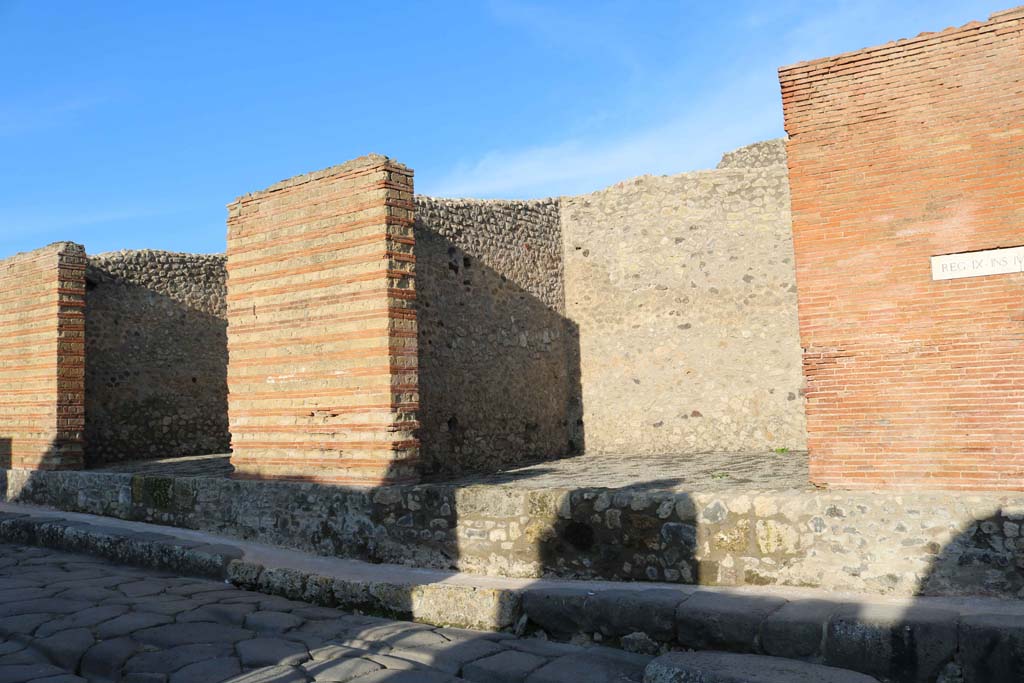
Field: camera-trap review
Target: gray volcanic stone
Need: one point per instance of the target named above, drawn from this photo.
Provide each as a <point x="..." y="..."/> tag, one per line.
<point x="561" y="611"/>
<point x="172" y="659"/>
<point x="220" y="669"/>
<point x="340" y="670"/>
<point x="273" y="674"/>
<point x="196" y="632"/>
<point x="449" y="657"/>
<point x="720" y="621"/>
<point x="621" y="612"/>
<point x="408" y="676"/>
<point x="19" y="673"/>
<point x="992" y="647"/>
<point x="724" y="667"/>
<point x="130" y="623"/>
<point x="509" y="666"/>
<point x="272" y="621"/>
<point x="586" y="667"/>
<point x="104" y="660"/>
<point x="909" y="644"/>
<point x="797" y="629"/>
<point x="88" y="617"/>
<point x="65" y="648"/>
<point x="270" y="652"/>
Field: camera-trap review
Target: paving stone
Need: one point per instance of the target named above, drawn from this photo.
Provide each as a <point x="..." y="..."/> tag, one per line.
<point x="270" y="651"/>
<point x="18" y="594"/>
<point x="11" y="646"/>
<point x="340" y="670"/>
<point x="910" y="644"/>
<point x="65" y="678"/>
<point x="140" y="588"/>
<point x="24" y="624"/>
<point x="104" y="660"/>
<point x="274" y="674"/>
<point x="65" y="649"/>
<point x="212" y="670"/>
<point x="95" y="594"/>
<point x="449" y="657"/>
<point x="543" y="648"/>
<point x="797" y="629"/>
<point x="560" y="612"/>
<point x="992" y="647"/>
<point x="218" y="613"/>
<point x="166" y="605"/>
<point x="724" y="667"/>
<point x="412" y="676"/>
<point x="144" y="678"/>
<point x="616" y="613"/>
<point x="174" y="658"/>
<point x="586" y="667"/>
<point x="130" y="623"/>
<point x="272" y="622"/>
<point x="43" y="606"/>
<point x="195" y="632"/>
<point x="510" y="666"/>
<point x="20" y="673"/>
<point x="723" y="621"/>
<point x="85" y="618"/>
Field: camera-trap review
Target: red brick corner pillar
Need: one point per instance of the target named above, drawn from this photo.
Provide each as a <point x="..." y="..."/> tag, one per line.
<point x="322" y="370"/>
<point x="42" y="353"/>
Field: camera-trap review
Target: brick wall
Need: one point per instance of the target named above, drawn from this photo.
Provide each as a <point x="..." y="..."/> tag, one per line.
<point x="42" y="294"/>
<point x="898" y="153"/>
<point x="322" y="372"/>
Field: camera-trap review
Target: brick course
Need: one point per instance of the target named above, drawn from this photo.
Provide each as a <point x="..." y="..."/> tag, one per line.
<point x="42" y="368"/>
<point x="322" y="371"/>
<point x="898" y="153"/>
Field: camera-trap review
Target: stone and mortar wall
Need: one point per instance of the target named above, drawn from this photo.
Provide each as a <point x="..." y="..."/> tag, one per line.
<point x="898" y="153"/>
<point x="498" y="365"/>
<point x="321" y="327"/>
<point x="683" y="291"/>
<point x="156" y="356"/>
<point x="42" y="294"/>
<point x="906" y="544"/>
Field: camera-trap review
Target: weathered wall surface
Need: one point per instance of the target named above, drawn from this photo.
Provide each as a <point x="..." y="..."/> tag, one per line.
<point x="914" y="543"/>
<point x="156" y="356"/>
<point x="41" y="357"/>
<point x="321" y="327"/>
<point x="684" y="294"/>
<point x="498" y="368"/>
<point x="898" y="153"/>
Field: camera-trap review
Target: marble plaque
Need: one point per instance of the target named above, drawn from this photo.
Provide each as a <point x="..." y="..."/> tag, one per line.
<point x="977" y="263"/>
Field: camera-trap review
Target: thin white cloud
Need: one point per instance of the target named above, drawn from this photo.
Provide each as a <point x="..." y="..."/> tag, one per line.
<point x="746" y="111"/>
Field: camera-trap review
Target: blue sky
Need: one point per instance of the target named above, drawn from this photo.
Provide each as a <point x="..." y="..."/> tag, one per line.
<point x="127" y="125"/>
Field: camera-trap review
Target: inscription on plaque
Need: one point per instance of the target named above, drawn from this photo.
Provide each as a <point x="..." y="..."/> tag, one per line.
<point x="977" y="263"/>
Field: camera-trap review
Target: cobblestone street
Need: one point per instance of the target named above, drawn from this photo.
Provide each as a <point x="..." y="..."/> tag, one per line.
<point x="67" y="618"/>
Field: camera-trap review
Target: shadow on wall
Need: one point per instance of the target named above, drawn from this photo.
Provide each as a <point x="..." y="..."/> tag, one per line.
<point x="499" y="369"/>
<point x="6" y="453"/>
<point x="156" y="374"/>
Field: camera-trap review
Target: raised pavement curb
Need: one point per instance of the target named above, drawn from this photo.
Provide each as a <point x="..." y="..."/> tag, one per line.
<point x="892" y="640"/>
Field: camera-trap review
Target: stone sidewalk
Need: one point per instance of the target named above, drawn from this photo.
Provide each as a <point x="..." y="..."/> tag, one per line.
<point x="67" y="618"/>
<point x="969" y="640"/>
<point x="678" y="472"/>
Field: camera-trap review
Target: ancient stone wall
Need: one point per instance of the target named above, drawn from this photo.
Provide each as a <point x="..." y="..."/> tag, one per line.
<point x="498" y="362"/>
<point x="914" y="543"/>
<point x="683" y="291"/>
<point x="321" y="327"/>
<point x="897" y="154"/>
<point x="41" y="357"/>
<point x="156" y="352"/>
